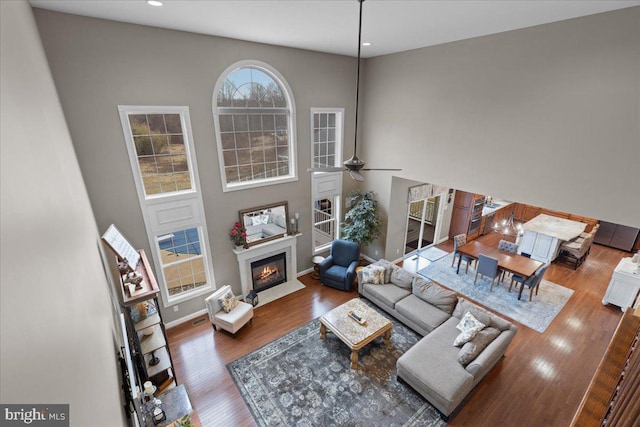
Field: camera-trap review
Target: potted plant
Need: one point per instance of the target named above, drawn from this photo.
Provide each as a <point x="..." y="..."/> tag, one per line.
<point x="238" y="235"/>
<point x="362" y="221"/>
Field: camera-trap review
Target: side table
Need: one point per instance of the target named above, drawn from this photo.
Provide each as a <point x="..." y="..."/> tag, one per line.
<point x="624" y="285"/>
<point x="175" y="403"/>
<point x="316" y="260"/>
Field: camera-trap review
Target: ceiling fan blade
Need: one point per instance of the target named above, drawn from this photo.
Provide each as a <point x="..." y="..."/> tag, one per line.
<point x="326" y="169"/>
<point x="356" y="175"/>
<point x="377" y="169"/>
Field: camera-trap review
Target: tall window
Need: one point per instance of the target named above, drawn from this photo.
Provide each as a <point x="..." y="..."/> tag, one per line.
<point x="162" y="158"/>
<point x="255" y="118"/>
<point x="326" y="140"/>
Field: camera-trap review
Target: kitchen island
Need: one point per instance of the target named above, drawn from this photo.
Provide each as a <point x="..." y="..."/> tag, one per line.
<point x="544" y="234"/>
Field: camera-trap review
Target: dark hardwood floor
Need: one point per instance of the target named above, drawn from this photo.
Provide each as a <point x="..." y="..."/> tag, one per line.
<point x="540" y="382"/>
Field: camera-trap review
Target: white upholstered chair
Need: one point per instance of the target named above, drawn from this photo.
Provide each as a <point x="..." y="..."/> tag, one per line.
<point x="232" y="321"/>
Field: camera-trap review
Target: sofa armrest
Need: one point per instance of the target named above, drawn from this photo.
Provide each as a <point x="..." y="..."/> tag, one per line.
<point x="325" y="264"/>
<point x="351" y="272"/>
<point x="491" y="355"/>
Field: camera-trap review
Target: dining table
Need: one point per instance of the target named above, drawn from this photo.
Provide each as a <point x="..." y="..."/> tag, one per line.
<point x="513" y="263"/>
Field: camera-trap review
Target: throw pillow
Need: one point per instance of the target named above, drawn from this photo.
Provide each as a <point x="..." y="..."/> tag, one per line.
<point x="256" y="220"/>
<point x="373" y="274"/>
<point x="401" y="278"/>
<point x="228" y="301"/>
<point x="482" y="315"/>
<point x="388" y="268"/>
<point x="469" y="327"/>
<point x="473" y="348"/>
<point x="434" y="294"/>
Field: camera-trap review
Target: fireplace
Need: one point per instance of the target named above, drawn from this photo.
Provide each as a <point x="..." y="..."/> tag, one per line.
<point x="269" y="272"/>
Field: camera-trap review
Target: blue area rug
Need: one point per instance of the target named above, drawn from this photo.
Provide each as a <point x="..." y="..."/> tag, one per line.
<point x="433" y="253"/>
<point x="536" y="314"/>
<point x="301" y="380"/>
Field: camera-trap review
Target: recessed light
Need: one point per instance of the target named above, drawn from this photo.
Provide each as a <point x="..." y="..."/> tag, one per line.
<point x="366" y="44"/>
<point x="154" y="3"/>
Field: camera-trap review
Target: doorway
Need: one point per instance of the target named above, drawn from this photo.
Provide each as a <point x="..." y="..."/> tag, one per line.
<point x="422" y="224"/>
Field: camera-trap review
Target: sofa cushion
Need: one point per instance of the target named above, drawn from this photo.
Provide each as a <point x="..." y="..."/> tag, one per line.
<point x="489" y="319"/>
<point x="423" y="314"/>
<point x="373" y="274"/>
<point x="431" y="367"/>
<point x="402" y="278"/>
<point x="468" y="326"/>
<point x="387" y="293"/>
<point x="470" y="350"/>
<point x="434" y="294"/>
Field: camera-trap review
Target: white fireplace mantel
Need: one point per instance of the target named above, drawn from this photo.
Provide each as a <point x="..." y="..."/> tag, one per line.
<point x="286" y="244"/>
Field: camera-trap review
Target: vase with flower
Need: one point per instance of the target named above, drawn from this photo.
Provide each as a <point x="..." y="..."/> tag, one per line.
<point x="238" y="235"/>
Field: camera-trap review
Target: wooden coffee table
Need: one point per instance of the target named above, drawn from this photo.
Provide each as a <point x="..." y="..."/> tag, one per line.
<point x="350" y="331"/>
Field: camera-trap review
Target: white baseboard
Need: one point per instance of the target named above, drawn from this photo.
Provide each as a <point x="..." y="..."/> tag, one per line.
<point x="186" y="318"/>
<point x="303" y="272"/>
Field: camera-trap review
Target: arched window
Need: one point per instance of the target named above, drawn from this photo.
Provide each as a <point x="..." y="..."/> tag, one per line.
<point x="254" y="115"/>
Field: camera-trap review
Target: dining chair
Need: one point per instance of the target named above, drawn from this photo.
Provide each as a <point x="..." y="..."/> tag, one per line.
<point x="487" y="266"/>
<point x="532" y="282"/>
<point x="460" y="240"/>
<point x="509" y="247"/>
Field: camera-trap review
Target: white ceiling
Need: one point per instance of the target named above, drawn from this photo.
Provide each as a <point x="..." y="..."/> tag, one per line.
<point x="332" y="25"/>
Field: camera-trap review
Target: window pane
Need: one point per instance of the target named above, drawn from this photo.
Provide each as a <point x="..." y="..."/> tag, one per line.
<point x="228" y="141"/>
<point x="139" y="125"/>
<point x="143" y="145"/>
<point x="160" y="144"/>
<point x="162" y="154"/>
<point x="226" y="122"/>
<point x="255" y="134"/>
<point x="172" y="122"/>
<point x="181" y="257"/>
<point x="242" y="140"/>
<point x="179" y="163"/>
<point x="176" y="144"/>
<point x="156" y="123"/>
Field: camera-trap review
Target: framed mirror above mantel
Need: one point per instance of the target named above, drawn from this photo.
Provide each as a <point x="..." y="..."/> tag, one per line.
<point x="264" y="223"/>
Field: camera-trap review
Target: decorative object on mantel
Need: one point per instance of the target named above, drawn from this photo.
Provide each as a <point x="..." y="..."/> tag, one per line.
<point x="238" y="235"/>
<point x="362" y="221"/>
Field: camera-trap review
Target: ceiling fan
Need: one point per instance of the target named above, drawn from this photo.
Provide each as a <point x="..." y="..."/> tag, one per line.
<point x="354" y="165"/>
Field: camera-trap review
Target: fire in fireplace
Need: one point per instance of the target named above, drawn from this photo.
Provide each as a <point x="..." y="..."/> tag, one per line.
<point x="269" y="272"/>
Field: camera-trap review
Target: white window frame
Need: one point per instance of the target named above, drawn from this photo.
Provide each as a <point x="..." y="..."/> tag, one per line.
<point x="339" y="112"/>
<point x="165" y="213"/>
<point x="293" y="171"/>
<point x="327" y="185"/>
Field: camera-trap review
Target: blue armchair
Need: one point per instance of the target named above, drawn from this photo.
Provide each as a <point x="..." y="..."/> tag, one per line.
<point x="338" y="270"/>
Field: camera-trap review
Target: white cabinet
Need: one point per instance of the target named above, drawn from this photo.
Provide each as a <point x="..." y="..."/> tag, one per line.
<point x="624" y="285"/>
<point x="540" y="247"/>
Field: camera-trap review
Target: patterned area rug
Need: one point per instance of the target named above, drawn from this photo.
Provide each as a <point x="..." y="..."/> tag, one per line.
<point x="301" y="380"/>
<point x="537" y="314"/>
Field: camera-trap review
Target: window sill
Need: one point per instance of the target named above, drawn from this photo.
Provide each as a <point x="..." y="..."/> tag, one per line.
<point x="258" y="183"/>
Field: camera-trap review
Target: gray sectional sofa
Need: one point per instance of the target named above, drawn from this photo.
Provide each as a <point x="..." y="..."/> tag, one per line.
<point x="442" y="373"/>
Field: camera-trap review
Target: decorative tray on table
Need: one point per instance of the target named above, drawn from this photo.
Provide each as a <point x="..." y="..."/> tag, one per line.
<point x="357" y="318"/>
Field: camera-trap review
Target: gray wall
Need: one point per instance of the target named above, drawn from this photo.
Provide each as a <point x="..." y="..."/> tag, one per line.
<point x="58" y="333"/>
<point x="548" y="115"/>
<point x="99" y="64"/>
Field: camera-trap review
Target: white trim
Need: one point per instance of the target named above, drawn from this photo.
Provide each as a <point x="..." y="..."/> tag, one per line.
<point x="186" y="318"/>
<point x="293" y="164"/>
<point x="339" y="112"/>
<point x="187" y="206"/>
<point x="286" y="244"/>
